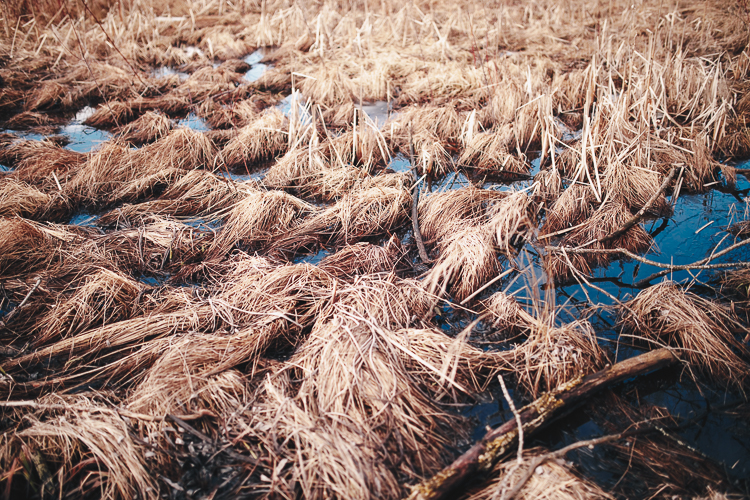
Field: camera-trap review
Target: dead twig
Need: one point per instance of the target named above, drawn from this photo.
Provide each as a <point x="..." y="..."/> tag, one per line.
<point x="414" y="205"/>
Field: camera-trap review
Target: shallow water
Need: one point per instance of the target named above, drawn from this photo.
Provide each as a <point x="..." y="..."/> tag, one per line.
<point x="194" y="122"/>
<point x="378" y="112"/>
<point x="83" y="219"/>
<point x="682" y="238"/>
<point x="257" y="68"/>
<point x="286" y="106"/>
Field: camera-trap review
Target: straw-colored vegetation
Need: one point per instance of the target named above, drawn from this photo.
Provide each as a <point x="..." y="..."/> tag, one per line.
<point x="315" y="331"/>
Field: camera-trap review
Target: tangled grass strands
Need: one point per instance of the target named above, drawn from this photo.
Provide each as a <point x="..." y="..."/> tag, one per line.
<point x="263" y="139"/>
<point x="548" y="186"/>
<point x="554" y="355"/>
<point x="89" y="345"/>
<point x="571" y="209"/>
<point x="35" y="161"/>
<point x="604" y="221"/>
<point x="347" y="368"/>
<point x="19" y="199"/>
<point x="25" y="245"/>
<point x="100" y="298"/>
<point x="490" y="151"/>
<point x="552" y="480"/>
<point x="635" y="187"/>
<point x="192" y="371"/>
<point x="360" y="214"/>
<point x="306" y="171"/>
<point x="437" y="211"/>
<point x="113" y="114"/>
<point x="467" y="261"/>
<point x="702" y="330"/>
<point x="440" y="122"/>
<point x="258" y="219"/>
<point x="382" y="299"/>
<point x="512" y="220"/>
<point x="364" y="258"/>
<point x="432" y="158"/>
<point x="149" y="127"/>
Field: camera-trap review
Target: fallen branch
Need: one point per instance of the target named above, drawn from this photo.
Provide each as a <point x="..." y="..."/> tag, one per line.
<point x="642" y="212"/>
<point x="481" y="457"/>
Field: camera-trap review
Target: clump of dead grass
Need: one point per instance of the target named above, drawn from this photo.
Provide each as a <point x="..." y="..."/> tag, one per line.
<point x="608" y="218"/>
<point x="360" y="214"/>
<point x="364" y="258"/>
<point x="258" y="220"/>
<point x="102" y="297"/>
<point x="35" y="161"/>
<point x="72" y="440"/>
<point x="489" y="151"/>
<point x="149" y="127"/>
<point x="263" y="139"/>
<point x="702" y="331"/>
<point x="439" y="210"/>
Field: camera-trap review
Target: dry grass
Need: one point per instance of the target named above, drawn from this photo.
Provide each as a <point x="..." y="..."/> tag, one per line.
<point x="702" y="331"/>
<point x="115" y="165"/>
<point x="18" y="198"/>
<point x="364" y="258"/>
<point x="332" y="378"/>
<point x="149" y="127"/>
<point x="35" y="161"/>
<point x="263" y="139"/>
<point x="83" y="447"/>
<point x="360" y="214"/>
<point x="467" y="261"/>
<point x="259" y="220"/>
<point x="489" y="151"/>
<point x="438" y="211"/>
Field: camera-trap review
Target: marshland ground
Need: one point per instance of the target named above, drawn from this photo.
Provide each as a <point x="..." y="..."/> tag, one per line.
<point x="313" y="249"/>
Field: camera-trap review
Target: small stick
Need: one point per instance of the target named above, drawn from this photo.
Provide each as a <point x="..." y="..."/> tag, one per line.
<point x="642" y="212"/>
<point x="414" y="206"/>
<point x="516" y="415"/>
<point x="487" y="285"/>
<point x="5" y="321"/>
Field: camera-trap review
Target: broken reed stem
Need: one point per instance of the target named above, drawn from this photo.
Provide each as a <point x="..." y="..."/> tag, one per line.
<point x="415" y="203"/>
<point x="701" y="264"/>
<point x="7" y="318"/>
<point x="119" y="411"/>
<point x="642" y="212"/>
<point x="516" y="415"/>
<point x="481" y="457"/>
